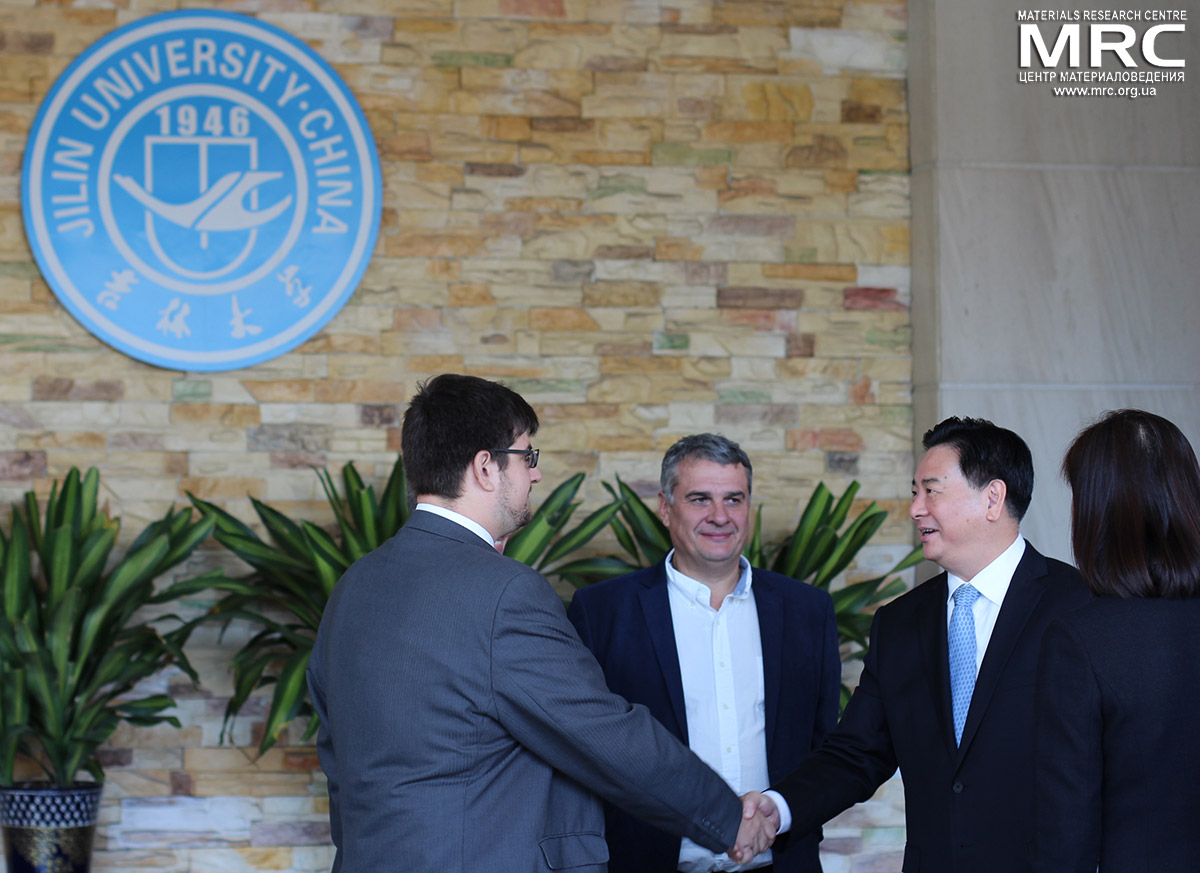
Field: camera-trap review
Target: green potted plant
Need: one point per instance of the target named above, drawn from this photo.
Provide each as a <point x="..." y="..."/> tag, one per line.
<point x="296" y="567"/>
<point x="72" y="651"/>
<point x="294" y="571"/>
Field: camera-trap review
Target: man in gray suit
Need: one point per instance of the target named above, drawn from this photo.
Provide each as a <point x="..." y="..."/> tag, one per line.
<point x="464" y="727"/>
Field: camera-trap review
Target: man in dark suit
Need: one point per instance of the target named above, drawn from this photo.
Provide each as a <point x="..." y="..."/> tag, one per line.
<point x="740" y="663"/>
<point x="464" y="727"/>
<point x="946" y="691"/>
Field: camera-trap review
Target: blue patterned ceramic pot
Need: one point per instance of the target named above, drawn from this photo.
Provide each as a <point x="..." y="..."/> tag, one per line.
<point x="47" y="829"/>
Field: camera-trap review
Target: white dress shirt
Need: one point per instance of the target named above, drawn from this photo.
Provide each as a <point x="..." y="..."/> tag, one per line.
<point x="992" y="584"/>
<point x="720" y="663"/>
<point x="458" y="518"/>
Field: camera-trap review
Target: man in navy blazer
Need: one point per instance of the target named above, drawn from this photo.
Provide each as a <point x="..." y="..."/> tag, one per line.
<point x="740" y="663"/>
<point x="966" y="759"/>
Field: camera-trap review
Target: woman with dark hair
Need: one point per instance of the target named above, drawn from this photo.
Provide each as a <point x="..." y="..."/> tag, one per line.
<point x="1118" y="695"/>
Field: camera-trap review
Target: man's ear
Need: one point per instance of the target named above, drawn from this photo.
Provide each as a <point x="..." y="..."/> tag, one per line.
<point x="996" y="493"/>
<point x="484" y="471"/>
<point x="664" y="508"/>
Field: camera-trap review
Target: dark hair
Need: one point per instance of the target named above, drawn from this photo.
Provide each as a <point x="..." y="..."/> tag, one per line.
<point x="1135" y="510"/>
<point x="450" y="420"/>
<point x="987" y="452"/>
<point x="708" y="447"/>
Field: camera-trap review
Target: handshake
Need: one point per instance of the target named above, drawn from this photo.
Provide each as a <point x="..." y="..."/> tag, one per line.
<point x="760" y="823"/>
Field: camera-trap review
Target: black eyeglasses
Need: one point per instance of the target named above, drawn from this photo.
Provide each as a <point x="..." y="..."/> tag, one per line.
<point x="531" y="455"/>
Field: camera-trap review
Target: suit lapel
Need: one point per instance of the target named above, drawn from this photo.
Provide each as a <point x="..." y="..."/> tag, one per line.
<point x="769" y="606"/>
<point x="934" y="653"/>
<point x="656" y="610"/>
<point x="1024" y="593"/>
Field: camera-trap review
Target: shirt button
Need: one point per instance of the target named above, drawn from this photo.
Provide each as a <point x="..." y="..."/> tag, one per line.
<point x="957" y="788"/>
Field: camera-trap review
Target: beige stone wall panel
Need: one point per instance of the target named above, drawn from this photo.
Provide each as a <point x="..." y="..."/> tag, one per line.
<point x="878" y="16"/>
<point x="568" y="84"/>
<point x="397" y="84"/>
<point x="748" y="200"/>
<point x="414" y="195"/>
<point x="845" y="241"/>
<point x="596" y="48"/>
<point x="770" y="99"/>
<point x="849" y="146"/>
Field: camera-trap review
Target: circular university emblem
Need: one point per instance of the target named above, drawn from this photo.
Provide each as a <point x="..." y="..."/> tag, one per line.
<point x="201" y="190"/>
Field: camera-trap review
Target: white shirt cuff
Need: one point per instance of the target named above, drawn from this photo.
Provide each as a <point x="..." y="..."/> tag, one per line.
<point x="785" y="814"/>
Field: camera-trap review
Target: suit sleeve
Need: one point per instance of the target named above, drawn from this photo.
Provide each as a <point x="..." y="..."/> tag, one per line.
<point x="855" y="759"/>
<point x="577" y="614"/>
<point x="551" y="696"/>
<point x="1068" y="756"/>
<point x="831" y="679"/>
<point x="325" y="750"/>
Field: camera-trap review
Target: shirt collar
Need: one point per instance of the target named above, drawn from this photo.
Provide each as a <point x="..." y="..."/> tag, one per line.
<point x="460" y="519"/>
<point x="693" y="589"/>
<point x="993" y="580"/>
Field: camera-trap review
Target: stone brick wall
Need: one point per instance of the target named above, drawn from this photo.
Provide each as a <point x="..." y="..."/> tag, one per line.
<point x="649" y="217"/>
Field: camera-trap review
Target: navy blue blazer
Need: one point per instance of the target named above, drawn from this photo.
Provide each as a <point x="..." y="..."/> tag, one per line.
<point x="1117" y="768"/>
<point x="968" y="807"/>
<point x="626" y="622"/>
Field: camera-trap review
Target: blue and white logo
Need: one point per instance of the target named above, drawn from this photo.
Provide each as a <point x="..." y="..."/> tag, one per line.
<point x="201" y="191"/>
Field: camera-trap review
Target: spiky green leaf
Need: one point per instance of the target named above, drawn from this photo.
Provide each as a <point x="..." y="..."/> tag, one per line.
<point x="261" y="556"/>
<point x="60" y="554"/>
<point x="41" y="680"/>
<point x="134" y="570"/>
<point x="527" y="544"/>
<point x="325" y="557"/>
<point x="582" y="533"/>
<point x="34" y="535"/>
<point x="18" y="596"/>
<point x="586" y="570"/>
<point x="284" y="533"/>
<point x="60" y="635"/>
<point x="791" y="559"/>
<point x="753" y="549"/>
<point x="822" y="543"/>
<point x="185" y="540"/>
<point x="624" y="537"/>
<point x="213" y="580"/>
<point x="290" y="690"/>
<point x="645" y="525"/>
<point x="226" y="523"/>
<point x="93" y="556"/>
<point x="842" y="510"/>
<point x="393" y="501"/>
<point x="849" y="544"/>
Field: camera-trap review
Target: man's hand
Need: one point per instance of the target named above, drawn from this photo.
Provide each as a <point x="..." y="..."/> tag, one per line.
<point x="760" y="821"/>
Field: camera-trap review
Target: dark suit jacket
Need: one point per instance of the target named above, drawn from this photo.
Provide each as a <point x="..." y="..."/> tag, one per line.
<point x="969" y="809"/>
<point x="626" y="622"/>
<point x="1118" y="765"/>
<point x="465" y="729"/>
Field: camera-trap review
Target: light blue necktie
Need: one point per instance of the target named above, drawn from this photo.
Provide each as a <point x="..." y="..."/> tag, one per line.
<point x="961" y="638"/>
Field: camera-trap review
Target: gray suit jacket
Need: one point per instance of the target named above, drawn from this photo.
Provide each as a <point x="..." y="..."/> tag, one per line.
<point x="465" y="729"/>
